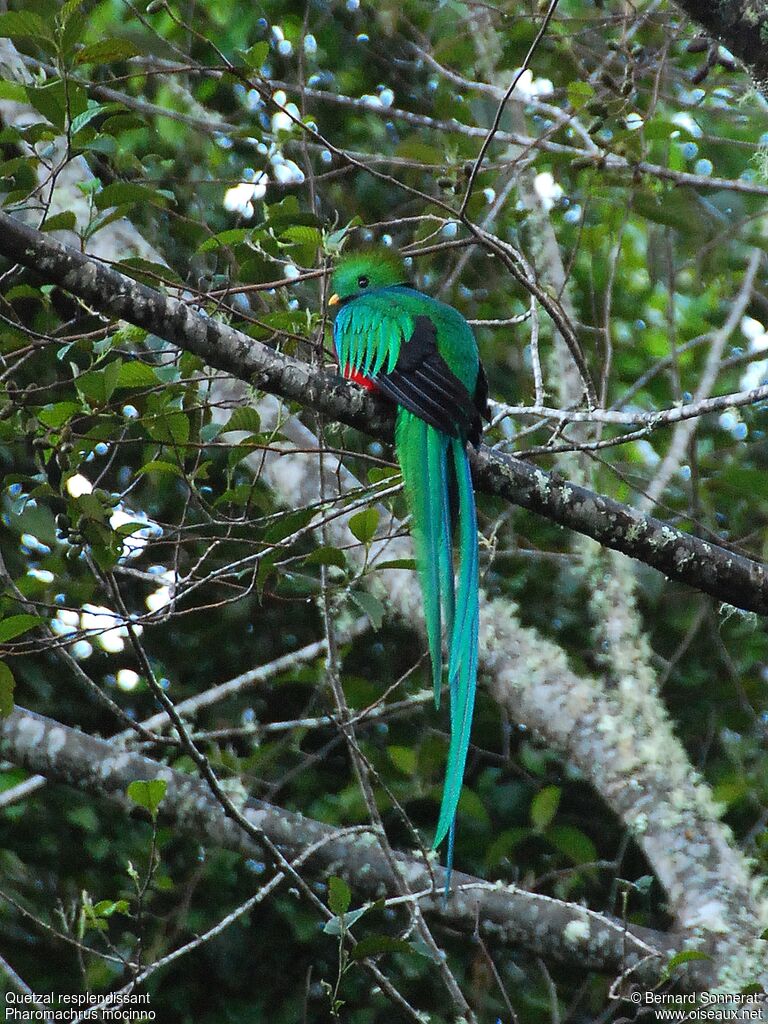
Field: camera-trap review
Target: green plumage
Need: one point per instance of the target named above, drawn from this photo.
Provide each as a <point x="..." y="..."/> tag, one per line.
<point x="423" y="354"/>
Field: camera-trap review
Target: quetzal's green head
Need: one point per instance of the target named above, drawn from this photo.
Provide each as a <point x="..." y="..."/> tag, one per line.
<point x="360" y="272"/>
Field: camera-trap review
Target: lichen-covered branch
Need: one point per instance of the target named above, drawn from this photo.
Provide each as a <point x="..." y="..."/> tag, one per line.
<point x="548" y="927"/>
<point x="616" y="734"/>
<point x="723" y="574"/>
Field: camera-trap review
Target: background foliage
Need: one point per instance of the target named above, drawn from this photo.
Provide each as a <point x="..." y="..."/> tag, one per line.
<point x="105" y="432"/>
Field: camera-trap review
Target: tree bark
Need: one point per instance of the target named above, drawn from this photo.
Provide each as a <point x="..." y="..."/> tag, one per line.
<point x="561" y="931"/>
<point x="741" y="25"/>
<point x="722" y="574"/>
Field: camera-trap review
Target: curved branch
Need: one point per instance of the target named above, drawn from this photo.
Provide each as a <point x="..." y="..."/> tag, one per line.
<point x="724" y="575"/>
<point x="562" y="931"/>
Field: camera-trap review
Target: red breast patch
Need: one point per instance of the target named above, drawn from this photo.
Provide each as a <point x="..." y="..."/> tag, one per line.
<point x="358" y="378"/>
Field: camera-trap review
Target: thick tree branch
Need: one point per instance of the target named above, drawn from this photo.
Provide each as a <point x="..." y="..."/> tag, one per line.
<point x="561" y="931"/>
<point x="742" y="25"/>
<point x="727" y="576"/>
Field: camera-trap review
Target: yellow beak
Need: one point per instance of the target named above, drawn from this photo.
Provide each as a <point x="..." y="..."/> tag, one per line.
<point x="334" y="300"/>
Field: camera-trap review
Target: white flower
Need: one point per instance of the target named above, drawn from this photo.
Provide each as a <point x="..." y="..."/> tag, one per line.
<point x="30" y="541"/>
<point x="684" y="120"/>
<point x="134" y="543"/>
<point x="162" y="596"/>
<point x="97" y="618"/>
<point x="260" y="185"/>
<point x="754" y="331"/>
<point x="728" y="420"/>
<point x="112" y="642"/>
<point x="158" y="599"/>
<point x="66" y="621"/>
<point x="238" y="199"/>
<point x="386" y="97"/>
<point x="287" y="172"/>
<point x="531" y="88"/>
<point x="310" y="45"/>
<point x="42" y="575"/>
<point x="547" y="189"/>
<point x="127" y="679"/>
<point x="282" y="120"/>
<point x="78" y="485"/>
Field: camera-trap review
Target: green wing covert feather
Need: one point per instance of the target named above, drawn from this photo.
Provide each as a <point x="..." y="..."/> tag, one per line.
<point x="368" y="334"/>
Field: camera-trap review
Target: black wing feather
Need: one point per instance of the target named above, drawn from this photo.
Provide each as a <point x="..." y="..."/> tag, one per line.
<point x="423" y="383"/>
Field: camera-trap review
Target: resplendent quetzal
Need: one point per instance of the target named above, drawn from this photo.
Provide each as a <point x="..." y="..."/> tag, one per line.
<point x="422" y="354"/>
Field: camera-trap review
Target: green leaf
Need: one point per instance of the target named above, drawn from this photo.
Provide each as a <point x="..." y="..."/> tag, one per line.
<point x="148" y="794"/>
<point x="13" y="91"/>
<point x="544" y="807"/>
<point x="135" y="374"/>
<point x="58" y="414"/>
<point x="7" y="685"/>
<point x="158" y="466"/>
<point x="105" y="51"/>
<point x="98" y="386"/>
<point x="327" y="556"/>
<point x="397" y="563"/>
<point x="364" y="525"/>
<point x="403" y="758"/>
<point x="679" y="208"/>
<point x="287" y="524"/>
<point x="16" y="625"/>
<point x="120" y="193"/>
<point x="414" y="148"/>
<point x="23" y="25"/>
<point x="339" y="895"/>
<point x="573" y="843"/>
<point x="230" y="237"/>
<point x="84" y="817"/>
<point x="471" y="806"/>
<point x="93" y="111"/>
<point x="374" y="945"/>
<point x="244" y="418"/>
<point x="69" y="8"/>
<point x="684" y="957"/>
<point x="50" y="101"/>
<point x="106" y="908"/>
<point x="504" y="844"/>
<point x="168" y="428"/>
<point x="64" y="221"/>
<point x="146" y="271"/>
<point x="257" y="54"/>
<point x="579" y="94"/>
<point x="305" y="241"/>
<point x="334" y="926"/>
<point x="371" y="605"/>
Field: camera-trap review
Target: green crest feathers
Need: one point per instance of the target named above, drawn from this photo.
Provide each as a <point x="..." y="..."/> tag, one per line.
<point x="378" y="268"/>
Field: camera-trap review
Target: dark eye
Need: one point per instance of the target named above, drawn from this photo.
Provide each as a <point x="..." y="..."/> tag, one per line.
<point x="362" y="282"/>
